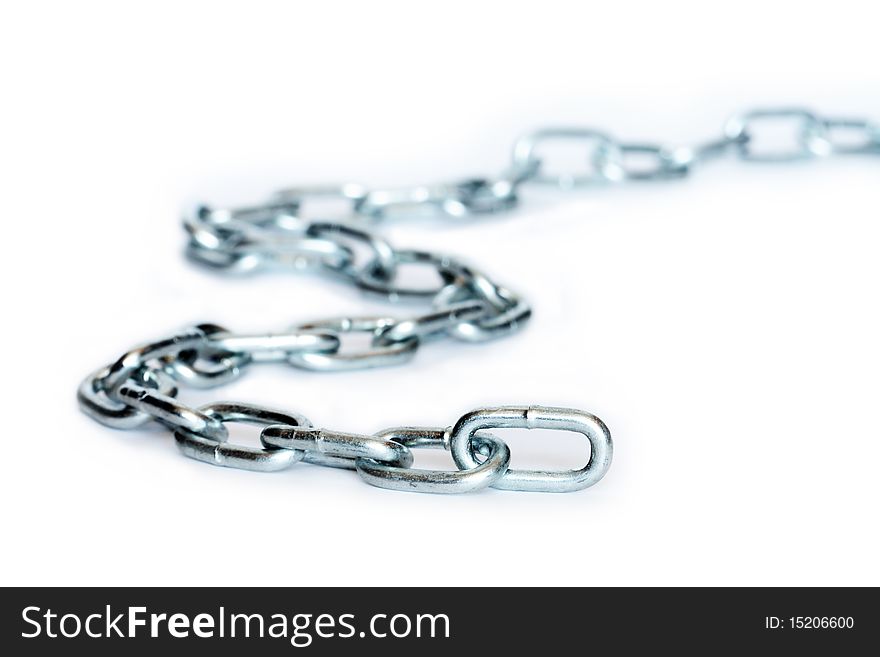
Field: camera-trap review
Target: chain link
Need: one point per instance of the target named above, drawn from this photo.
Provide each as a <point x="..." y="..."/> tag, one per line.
<point x="463" y="304"/>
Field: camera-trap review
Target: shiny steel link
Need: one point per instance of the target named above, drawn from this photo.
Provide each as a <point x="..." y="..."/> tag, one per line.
<point x="348" y="196"/>
<point x="335" y="448"/>
<point x="216" y="451"/>
<point x="496" y="459"/>
<point x="139" y="357"/>
<point x="206" y="367"/>
<point x="97" y="404"/>
<point x="172" y="413"/>
<point x="656" y="163"/>
<point x="809" y="135"/>
<point x="432" y="324"/>
<point x="205" y="364"/>
<point x="373" y="282"/>
<point x="330" y="229"/>
<point x="380" y="255"/>
<point x="246" y="239"/>
<point x="506" y="313"/>
<point x="274" y="347"/>
<point x="462" y="435"/>
<point x="601" y="163"/>
<point x="852" y="135"/>
<point x="379" y="355"/>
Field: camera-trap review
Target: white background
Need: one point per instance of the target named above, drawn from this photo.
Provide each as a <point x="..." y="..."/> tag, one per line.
<point x="724" y="327"/>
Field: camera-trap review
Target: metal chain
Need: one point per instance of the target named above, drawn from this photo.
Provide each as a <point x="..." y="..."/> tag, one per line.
<point x="465" y="304"/>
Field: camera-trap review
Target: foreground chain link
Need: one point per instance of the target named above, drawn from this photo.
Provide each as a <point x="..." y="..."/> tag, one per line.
<point x="465" y="304"/>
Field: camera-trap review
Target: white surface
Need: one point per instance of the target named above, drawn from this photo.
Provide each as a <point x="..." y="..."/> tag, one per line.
<point x="725" y="327"/>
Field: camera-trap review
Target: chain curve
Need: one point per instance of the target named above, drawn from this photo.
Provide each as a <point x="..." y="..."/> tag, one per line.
<point x="464" y="304"/>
